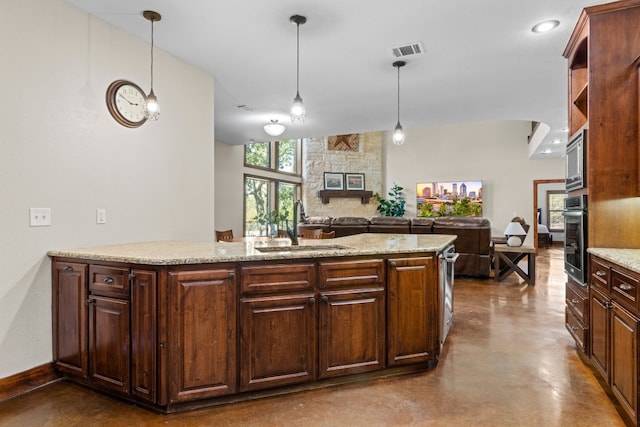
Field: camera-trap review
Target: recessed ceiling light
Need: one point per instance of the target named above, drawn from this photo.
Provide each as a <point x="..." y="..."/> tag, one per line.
<point x="556" y="141"/>
<point x="545" y="26"/>
<point x="547" y="151"/>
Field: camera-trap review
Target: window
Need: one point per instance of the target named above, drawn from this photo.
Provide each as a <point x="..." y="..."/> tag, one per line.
<point x="286" y="159"/>
<point x="272" y="188"/>
<point x="555" y="205"/>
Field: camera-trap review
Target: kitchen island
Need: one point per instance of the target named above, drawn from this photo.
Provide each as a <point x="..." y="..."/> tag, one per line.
<point x="179" y="325"/>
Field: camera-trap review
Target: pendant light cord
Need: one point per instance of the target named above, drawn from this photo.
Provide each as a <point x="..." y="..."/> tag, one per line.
<point x="152" y="54"/>
<point x="298" y="58"/>
<point x="398" y="94"/>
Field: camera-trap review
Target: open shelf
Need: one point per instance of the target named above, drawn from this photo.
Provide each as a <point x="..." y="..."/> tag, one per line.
<point x="363" y="195"/>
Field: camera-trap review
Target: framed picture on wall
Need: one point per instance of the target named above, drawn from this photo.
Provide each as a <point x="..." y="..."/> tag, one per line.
<point x="354" y="181"/>
<point x="333" y="181"/>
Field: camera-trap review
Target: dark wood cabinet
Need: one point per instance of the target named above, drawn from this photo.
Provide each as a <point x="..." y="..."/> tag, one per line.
<point x="614" y="332"/>
<point x="109" y="343"/>
<point x="577" y="313"/>
<point x="278" y="325"/>
<point x="352" y="317"/>
<point x="185" y="336"/>
<point x="412" y="310"/>
<point x="201" y="334"/>
<point x="69" y="294"/>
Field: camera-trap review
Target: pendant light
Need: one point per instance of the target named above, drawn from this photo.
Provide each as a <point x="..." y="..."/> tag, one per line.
<point x="398" y="132"/>
<point x="274" y="128"/>
<point x="297" y="108"/>
<point x="151" y="106"/>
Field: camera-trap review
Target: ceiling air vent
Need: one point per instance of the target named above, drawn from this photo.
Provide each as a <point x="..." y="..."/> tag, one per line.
<point x="410" y="49"/>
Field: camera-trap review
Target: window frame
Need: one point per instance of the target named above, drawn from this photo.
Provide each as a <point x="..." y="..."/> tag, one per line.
<point x="549" y="195"/>
<point x="273" y="154"/>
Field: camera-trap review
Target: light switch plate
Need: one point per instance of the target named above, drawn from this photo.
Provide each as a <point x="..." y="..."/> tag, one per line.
<point x="101" y="216"/>
<point x="39" y="217"/>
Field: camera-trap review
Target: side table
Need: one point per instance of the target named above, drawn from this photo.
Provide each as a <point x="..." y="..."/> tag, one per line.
<point x="511" y="255"/>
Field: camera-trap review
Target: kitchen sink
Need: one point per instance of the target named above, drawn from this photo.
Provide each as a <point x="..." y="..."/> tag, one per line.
<point x="301" y="248"/>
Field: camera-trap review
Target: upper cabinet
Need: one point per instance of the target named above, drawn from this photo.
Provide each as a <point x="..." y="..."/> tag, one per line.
<point x="603" y="96"/>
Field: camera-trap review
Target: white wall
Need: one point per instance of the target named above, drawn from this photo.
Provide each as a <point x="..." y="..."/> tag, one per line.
<point x="494" y="152"/>
<point x="542" y="204"/>
<point x="229" y="190"/>
<point x="59" y="148"/>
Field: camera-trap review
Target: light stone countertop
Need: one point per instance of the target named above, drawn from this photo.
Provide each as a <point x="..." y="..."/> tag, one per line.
<point x="628" y="258"/>
<point x="183" y="252"/>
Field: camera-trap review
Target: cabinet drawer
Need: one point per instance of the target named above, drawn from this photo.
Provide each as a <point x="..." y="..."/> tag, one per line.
<point x="600" y="273"/>
<point x="624" y="289"/>
<point x="578" y="303"/>
<point x="577" y="329"/>
<point x="109" y="281"/>
<point x="278" y="277"/>
<point x="352" y="274"/>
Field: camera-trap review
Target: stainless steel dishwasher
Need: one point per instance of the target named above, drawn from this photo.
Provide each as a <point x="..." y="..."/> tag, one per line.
<point x="448" y="258"/>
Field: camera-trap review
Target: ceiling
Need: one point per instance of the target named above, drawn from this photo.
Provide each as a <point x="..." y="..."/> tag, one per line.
<point x="481" y="61"/>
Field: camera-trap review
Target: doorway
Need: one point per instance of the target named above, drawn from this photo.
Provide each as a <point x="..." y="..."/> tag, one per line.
<point x="536" y="190"/>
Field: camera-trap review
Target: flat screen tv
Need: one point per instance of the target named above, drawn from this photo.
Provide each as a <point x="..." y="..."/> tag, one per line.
<point x="449" y="198"/>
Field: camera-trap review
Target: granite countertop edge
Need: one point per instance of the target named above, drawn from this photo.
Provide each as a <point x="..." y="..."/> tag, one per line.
<point x="173" y="252"/>
<point x="628" y="258"/>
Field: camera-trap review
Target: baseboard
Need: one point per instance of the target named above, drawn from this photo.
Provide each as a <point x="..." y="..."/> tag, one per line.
<point x="26" y="381"/>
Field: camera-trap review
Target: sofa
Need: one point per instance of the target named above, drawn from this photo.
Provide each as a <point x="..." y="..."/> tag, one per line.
<point x="473" y="242"/>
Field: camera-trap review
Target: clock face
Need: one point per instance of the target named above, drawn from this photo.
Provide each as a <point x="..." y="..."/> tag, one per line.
<point x="125" y="101"/>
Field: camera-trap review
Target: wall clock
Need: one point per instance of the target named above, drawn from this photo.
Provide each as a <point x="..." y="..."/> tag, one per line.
<point x="125" y="102"/>
<point x="349" y="142"/>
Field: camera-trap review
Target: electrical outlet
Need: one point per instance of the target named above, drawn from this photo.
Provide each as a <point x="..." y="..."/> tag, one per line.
<point x="39" y="217"/>
<point x="101" y="216"/>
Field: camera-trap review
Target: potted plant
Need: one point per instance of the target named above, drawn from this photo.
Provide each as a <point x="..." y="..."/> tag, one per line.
<point x="394" y="206"/>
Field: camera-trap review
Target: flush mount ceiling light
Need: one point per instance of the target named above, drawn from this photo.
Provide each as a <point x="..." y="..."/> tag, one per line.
<point x="274" y="128"/>
<point x="297" y="108"/>
<point x="151" y="106"/>
<point x="545" y="26"/>
<point x="398" y="132"/>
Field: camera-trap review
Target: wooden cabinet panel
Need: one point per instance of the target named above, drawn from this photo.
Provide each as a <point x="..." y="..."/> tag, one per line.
<point x="578" y="302"/>
<point x="625" y="288"/>
<point x="70" y="318"/>
<point x="351" y="332"/>
<point x="109" y="281"/>
<point x="278" y="278"/>
<point x="109" y="343"/>
<point x="143" y="334"/>
<point x="600" y="327"/>
<point x="201" y="334"/>
<point x="277" y="340"/>
<point x="624" y="359"/>
<point x="577" y="329"/>
<point x="412" y="310"/>
<point x="600" y="274"/>
<point x="352" y="274"/>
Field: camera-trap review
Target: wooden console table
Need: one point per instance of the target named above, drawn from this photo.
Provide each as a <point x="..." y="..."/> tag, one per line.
<point x="511" y="255"/>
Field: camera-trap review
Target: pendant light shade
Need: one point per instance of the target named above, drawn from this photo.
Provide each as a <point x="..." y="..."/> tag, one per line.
<point x="398" y="132"/>
<point x="297" y="108"/>
<point x="151" y="105"/>
<point x="274" y="128"/>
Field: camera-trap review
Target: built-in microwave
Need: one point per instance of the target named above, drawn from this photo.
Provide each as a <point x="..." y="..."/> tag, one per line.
<point x="577" y="161"/>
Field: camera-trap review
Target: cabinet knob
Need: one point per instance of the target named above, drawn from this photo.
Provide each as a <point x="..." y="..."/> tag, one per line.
<point x="574" y="328"/>
<point x="68" y="268"/>
<point x="575" y="301"/>
<point x="324" y="298"/>
<point x="90" y="301"/>
<point x="393" y="264"/>
<point x="231" y="275"/>
<point x="312" y="301"/>
<point x="600" y="273"/>
<point x="626" y="287"/>
<point x="108" y="280"/>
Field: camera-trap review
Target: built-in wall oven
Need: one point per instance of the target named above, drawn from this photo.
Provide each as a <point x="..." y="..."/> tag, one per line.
<point x="575" y="240"/>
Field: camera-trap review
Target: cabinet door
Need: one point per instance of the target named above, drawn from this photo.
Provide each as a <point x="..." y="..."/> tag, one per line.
<point x="143" y="334"/>
<point x="109" y="343"/>
<point x="624" y="359"/>
<point x="600" y="326"/>
<point x="352" y="332"/>
<point x="277" y="340"/>
<point x="202" y="334"/>
<point x="412" y="309"/>
<point x="69" y="309"/>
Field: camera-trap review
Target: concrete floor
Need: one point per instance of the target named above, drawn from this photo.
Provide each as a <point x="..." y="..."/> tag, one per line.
<point x="509" y="361"/>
